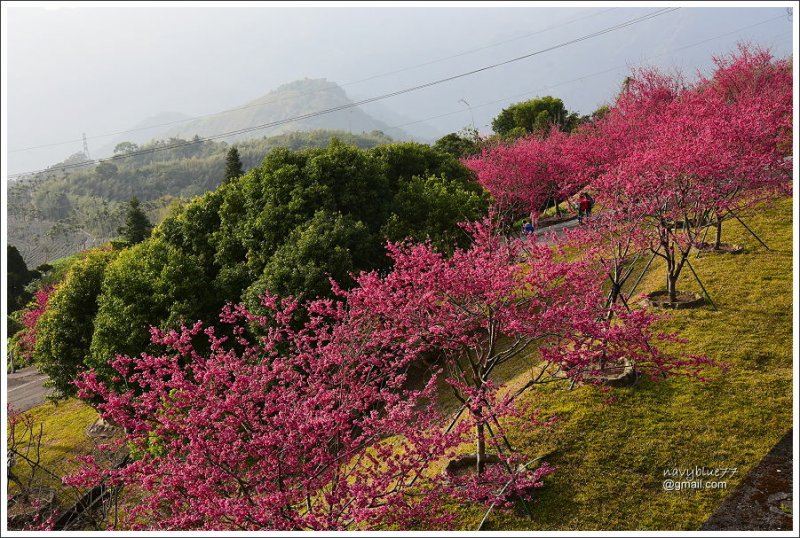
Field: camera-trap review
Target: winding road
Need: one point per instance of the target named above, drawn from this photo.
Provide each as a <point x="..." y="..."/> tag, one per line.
<point x="26" y="388"/>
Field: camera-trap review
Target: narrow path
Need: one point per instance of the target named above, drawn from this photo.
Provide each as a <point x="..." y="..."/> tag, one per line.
<point x="549" y="234"/>
<point x="26" y="388"/>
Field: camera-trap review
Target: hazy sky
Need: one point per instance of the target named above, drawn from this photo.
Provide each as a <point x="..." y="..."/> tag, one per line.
<point x="98" y="70"/>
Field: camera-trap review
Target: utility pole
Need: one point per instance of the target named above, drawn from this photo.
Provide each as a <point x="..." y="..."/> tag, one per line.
<point x="472" y="117"/>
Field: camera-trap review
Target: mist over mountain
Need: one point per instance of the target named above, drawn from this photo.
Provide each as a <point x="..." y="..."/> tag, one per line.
<point x="420" y="131"/>
<point x="293" y="99"/>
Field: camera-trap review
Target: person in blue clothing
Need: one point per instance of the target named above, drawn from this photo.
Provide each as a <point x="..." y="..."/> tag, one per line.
<point x="527" y="228"/>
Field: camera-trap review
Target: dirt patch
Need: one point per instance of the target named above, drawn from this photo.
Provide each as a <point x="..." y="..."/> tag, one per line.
<point x="619" y="374"/>
<point x="763" y="501"/>
<point x="683" y="299"/>
<point x="102" y="428"/>
<point x="23" y="510"/>
<point x="468" y="464"/>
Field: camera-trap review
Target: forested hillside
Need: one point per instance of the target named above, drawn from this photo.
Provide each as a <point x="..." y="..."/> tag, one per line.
<point x="62" y="211"/>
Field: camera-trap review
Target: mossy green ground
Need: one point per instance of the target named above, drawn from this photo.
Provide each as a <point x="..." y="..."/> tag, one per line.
<point x="63" y="440"/>
<point x="612" y="455"/>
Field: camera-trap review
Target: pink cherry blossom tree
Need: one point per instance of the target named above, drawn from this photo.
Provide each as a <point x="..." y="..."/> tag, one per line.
<point x="692" y="154"/>
<point x="26" y="339"/>
<point x="495" y="301"/>
<point x="618" y="240"/>
<point x="530" y="174"/>
<point x="299" y="429"/>
<point x="749" y="99"/>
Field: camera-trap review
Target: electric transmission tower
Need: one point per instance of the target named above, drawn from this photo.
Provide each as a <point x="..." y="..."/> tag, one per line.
<point x="86" y="147"/>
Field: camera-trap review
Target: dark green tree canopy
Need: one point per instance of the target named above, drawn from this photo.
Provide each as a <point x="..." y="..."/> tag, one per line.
<point x="458" y="145"/>
<point x="285" y="227"/>
<point x="64" y="332"/>
<point x="18" y="276"/>
<point x="137" y="226"/>
<point x="330" y="245"/>
<point x="534" y="116"/>
<point x="233" y="164"/>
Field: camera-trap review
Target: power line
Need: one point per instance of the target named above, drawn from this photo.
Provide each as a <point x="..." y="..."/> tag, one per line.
<point x="582" y="77"/>
<point x="315" y="92"/>
<point x="309" y="115"/>
<point x="477" y="49"/>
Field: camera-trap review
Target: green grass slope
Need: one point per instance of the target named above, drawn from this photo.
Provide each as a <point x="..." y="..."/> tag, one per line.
<point x="612" y="455"/>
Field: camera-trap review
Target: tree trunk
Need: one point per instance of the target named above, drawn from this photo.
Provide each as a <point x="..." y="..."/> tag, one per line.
<point x="719" y="234"/>
<point x="672" y="280"/>
<point x="480" y="440"/>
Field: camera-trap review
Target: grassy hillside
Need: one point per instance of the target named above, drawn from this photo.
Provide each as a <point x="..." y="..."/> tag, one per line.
<point x="612" y="449"/>
<point x="291" y="100"/>
<point x="612" y="455"/>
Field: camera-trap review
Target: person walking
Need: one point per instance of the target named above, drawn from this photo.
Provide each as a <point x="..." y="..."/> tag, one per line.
<point x="584" y="207"/>
<point x="591" y="204"/>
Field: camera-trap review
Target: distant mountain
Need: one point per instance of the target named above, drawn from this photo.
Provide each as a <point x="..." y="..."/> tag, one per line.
<point x="418" y="130"/>
<point x="142" y="132"/>
<point x="287" y="101"/>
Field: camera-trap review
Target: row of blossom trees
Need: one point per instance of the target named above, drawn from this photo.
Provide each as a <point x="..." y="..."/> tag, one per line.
<point x="314" y="425"/>
<point x="304" y="417"/>
<point x="669" y="158"/>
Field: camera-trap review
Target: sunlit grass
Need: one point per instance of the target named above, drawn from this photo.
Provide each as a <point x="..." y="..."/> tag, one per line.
<point x="64" y="438"/>
<point x="612" y="455"/>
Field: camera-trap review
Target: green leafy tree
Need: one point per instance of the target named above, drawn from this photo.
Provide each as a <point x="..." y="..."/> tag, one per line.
<point x="233" y="164"/>
<point x="428" y="208"/>
<point x="408" y="159"/>
<point x="152" y="283"/>
<point x="64" y="332"/>
<point x="330" y="245"/>
<point x="123" y="148"/>
<point x="458" y="145"/>
<point x="285" y="225"/>
<point x="534" y="116"/>
<point x="137" y="226"/>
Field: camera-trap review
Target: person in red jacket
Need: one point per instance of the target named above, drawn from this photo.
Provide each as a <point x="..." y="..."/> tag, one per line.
<point x="584" y="206"/>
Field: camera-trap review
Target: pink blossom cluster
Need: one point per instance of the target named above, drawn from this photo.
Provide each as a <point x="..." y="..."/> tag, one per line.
<point x="26" y="341"/>
<point x="668" y="145"/>
<point x="666" y="163"/>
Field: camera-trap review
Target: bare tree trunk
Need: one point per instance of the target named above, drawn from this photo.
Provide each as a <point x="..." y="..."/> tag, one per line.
<point x="719" y="233"/>
<point x="672" y="281"/>
<point x="480" y="440"/>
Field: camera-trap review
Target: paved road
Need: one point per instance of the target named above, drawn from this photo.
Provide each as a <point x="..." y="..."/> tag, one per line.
<point x="548" y="235"/>
<point x="761" y="500"/>
<point x="557" y="228"/>
<point x="26" y="389"/>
